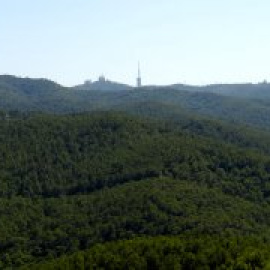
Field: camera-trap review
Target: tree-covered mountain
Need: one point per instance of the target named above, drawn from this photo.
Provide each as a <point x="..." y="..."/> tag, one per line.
<point x="243" y="135"/>
<point x="260" y="91"/>
<point x="156" y="172"/>
<point x="58" y="155"/>
<point x="70" y="182"/>
<point x="42" y="95"/>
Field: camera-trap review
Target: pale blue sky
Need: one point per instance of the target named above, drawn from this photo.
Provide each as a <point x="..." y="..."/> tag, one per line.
<point x="185" y="41"/>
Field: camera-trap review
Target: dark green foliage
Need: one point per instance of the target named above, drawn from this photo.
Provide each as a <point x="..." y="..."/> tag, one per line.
<point x="53" y="156"/>
<point x="176" y="117"/>
<point x="168" y="253"/>
<point x="36" y="229"/>
<point x="70" y="182"/>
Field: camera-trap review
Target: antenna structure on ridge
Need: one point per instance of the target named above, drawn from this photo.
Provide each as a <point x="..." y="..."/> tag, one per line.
<point x="139" y="79"/>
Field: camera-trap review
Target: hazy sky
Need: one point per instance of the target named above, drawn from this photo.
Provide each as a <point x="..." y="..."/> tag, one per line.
<point x="186" y="41"/>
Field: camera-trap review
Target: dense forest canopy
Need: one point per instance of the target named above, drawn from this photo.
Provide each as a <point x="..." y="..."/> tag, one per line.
<point x="69" y="182"/>
<point x="167" y="253"/>
<point x="58" y="155"/>
<point x="132" y="179"/>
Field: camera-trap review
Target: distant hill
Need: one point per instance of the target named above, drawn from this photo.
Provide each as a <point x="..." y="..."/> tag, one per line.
<point x="252" y="91"/>
<point x="27" y="85"/>
<point x="26" y="94"/>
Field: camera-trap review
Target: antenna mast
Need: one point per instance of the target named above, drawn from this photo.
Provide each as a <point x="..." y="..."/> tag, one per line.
<point x="139" y="79"/>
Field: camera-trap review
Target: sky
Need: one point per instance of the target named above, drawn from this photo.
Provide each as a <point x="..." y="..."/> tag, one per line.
<point x="176" y="41"/>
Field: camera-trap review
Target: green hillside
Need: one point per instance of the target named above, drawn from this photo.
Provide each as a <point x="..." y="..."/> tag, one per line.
<point x="171" y="169"/>
<point x="42" y="95"/>
<point x="167" y="253"/>
<point x="70" y="182"/>
<point x="181" y="119"/>
<point x="259" y="91"/>
<point x="39" y="229"/>
<point x="58" y="155"/>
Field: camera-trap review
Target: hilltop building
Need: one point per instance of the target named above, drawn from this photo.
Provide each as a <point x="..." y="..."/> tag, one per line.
<point x="102" y="78"/>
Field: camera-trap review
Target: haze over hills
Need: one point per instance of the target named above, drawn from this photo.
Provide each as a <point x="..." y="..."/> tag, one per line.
<point x="245" y="90"/>
<point x="26" y="94"/>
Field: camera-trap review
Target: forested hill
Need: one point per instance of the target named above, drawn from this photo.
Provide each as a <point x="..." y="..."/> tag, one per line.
<point x="54" y="155"/>
<point x="260" y="91"/>
<point x="156" y="178"/>
<point x="69" y="182"/>
<point x="46" y="96"/>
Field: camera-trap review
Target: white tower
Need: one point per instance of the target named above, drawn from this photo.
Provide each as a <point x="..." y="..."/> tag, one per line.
<point x="139" y="79"/>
